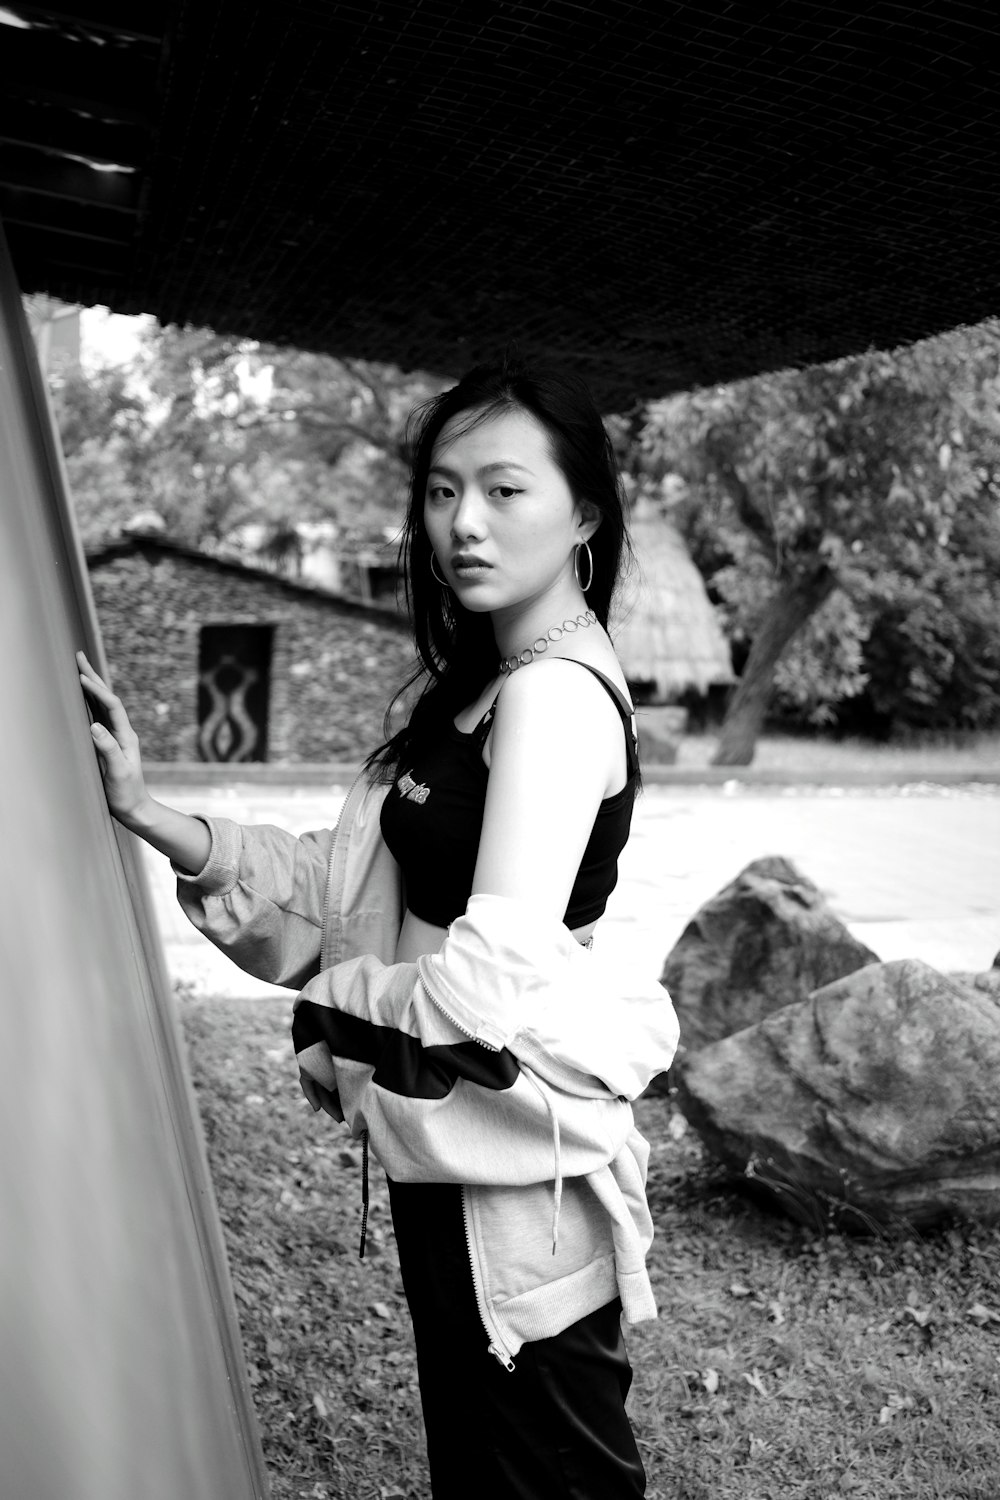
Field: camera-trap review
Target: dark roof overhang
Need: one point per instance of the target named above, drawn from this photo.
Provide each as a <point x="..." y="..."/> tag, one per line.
<point x="661" y="195"/>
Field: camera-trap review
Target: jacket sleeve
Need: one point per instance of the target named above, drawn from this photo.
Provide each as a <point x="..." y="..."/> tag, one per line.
<point x="438" y="1105"/>
<point x="260" y="898"/>
<point x="561" y="1009"/>
<point x="506" y="1041"/>
<point x="509" y="980"/>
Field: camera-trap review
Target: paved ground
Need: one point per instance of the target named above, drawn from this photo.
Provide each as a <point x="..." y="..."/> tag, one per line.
<point x="914" y="872"/>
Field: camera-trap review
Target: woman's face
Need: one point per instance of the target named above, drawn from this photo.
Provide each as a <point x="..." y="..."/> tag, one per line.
<point x="499" y="514"/>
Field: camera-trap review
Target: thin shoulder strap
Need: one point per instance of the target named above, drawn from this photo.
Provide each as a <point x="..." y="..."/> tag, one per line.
<point x="624" y="708"/>
<point x="481" y="732"/>
<point x="614" y="691"/>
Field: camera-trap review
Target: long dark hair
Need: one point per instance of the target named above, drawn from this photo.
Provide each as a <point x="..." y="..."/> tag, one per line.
<point x="456" y="648"/>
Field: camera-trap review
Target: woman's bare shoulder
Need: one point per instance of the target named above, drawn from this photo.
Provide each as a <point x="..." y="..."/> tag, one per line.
<point x="553" y="714"/>
<point x="566" y="679"/>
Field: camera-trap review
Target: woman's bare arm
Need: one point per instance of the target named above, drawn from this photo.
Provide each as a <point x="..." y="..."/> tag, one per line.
<point x="557" y="748"/>
<point x="184" y="839"/>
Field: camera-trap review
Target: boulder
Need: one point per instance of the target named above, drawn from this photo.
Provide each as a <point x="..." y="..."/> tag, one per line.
<point x="877" y="1098"/>
<point x="988" y="982"/>
<point x="767" y="940"/>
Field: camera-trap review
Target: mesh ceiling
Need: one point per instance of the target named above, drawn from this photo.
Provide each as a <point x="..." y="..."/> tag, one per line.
<point x="659" y="194"/>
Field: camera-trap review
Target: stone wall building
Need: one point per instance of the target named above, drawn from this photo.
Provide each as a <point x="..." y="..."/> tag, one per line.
<point x="219" y="662"/>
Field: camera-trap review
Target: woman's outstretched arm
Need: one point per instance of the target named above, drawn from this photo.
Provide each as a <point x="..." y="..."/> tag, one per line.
<point x="184" y="839"/>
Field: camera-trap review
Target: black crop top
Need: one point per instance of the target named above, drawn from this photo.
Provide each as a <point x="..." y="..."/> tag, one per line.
<point x="432" y="820"/>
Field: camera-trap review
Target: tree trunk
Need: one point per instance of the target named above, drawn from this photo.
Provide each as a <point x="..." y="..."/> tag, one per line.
<point x="785" y="616"/>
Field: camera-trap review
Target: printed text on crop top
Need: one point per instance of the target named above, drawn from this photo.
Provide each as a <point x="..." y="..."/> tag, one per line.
<point x="433" y="817"/>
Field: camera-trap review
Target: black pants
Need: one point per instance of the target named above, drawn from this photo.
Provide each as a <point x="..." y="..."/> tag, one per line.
<point x="554" y="1427"/>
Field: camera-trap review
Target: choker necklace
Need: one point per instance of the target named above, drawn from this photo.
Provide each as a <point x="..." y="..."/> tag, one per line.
<point x="568" y="627"/>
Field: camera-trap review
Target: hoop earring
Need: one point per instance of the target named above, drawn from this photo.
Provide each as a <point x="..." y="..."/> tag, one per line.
<point x="583" y="547"/>
<point x="436" y="576"/>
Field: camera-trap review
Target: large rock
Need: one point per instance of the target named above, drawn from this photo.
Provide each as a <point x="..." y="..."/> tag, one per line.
<point x="880" y="1092"/>
<point x="988" y="982"/>
<point x="766" y="940"/>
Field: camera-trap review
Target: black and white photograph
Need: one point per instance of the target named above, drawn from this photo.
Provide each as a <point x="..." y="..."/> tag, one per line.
<point x="499" y="750"/>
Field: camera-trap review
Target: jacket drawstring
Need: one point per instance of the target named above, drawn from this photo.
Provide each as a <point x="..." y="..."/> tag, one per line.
<point x="364" y="1193"/>
<point x="557" y="1185"/>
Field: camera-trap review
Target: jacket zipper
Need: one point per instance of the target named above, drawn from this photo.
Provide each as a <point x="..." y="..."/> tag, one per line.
<point x="475" y="1036"/>
<point x="323" y="956"/>
<point x="329" y="877"/>
<point x="495" y="1347"/>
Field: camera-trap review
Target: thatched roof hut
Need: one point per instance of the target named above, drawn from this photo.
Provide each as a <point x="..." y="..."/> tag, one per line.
<point x="668" y="633"/>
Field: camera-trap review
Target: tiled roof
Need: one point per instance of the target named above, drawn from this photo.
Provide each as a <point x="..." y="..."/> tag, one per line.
<point x="160" y="548"/>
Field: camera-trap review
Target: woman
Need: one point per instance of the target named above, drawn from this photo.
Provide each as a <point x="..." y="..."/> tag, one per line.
<point x="449" y="1008"/>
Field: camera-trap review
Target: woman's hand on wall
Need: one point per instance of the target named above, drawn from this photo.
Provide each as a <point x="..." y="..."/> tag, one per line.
<point x="184" y="839"/>
<point x="117" y="748"/>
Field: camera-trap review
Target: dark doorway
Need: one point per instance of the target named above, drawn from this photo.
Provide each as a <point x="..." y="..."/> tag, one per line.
<point x="234" y="688"/>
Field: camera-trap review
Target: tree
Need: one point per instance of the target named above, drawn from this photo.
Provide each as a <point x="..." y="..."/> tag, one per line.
<point x="850" y="476"/>
<point x="932" y="653"/>
<point x="102" y="427"/>
<point x="213" y="432"/>
<point x="277" y="435"/>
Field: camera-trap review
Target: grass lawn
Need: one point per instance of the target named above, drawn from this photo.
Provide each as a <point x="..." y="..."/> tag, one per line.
<point x="785" y="1365"/>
